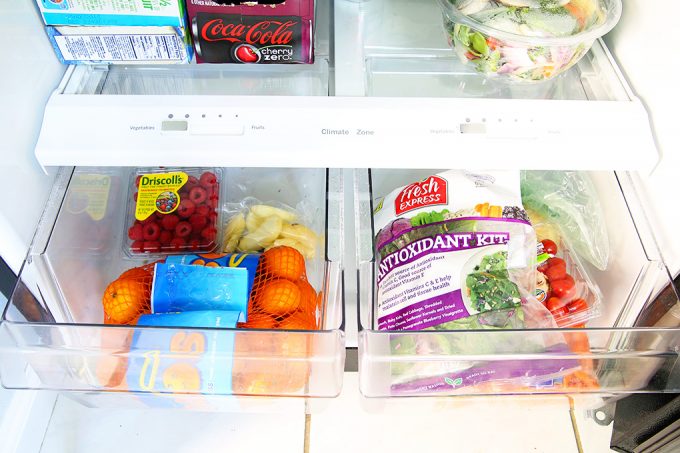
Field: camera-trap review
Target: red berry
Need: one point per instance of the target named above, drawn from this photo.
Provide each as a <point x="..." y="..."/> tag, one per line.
<point x="198" y="195"/>
<point x="209" y="233"/>
<point x="203" y="210"/>
<point x="194" y="244"/>
<point x="152" y="246"/>
<point x="149" y="219"/>
<point x="137" y="246"/>
<point x="178" y="243"/>
<point x="136" y="232"/>
<point x="151" y="232"/>
<point x="192" y="182"/>
<point x="208" y="179"/>
<point x="135" y="196"/>
<point x="169" y="222"/>
<point x="198" y="222"/>
<point x="186" y="208"/>
<point x="165" y="237"/>
<point x="183" y="229"/>
<point x="213" y="201"/>
<point x="549" y="246"/>
<point x="137" y="179"/>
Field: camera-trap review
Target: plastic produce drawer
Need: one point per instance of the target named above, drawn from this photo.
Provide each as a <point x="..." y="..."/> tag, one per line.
<point x="52" y="334"/>
<point x="626" y="353"/>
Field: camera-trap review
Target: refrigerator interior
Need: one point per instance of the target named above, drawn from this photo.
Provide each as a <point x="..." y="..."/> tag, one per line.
<point x="374" y="49"/>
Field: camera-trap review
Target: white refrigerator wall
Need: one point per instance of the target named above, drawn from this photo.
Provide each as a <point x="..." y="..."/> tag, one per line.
<point x="644" y="45"/>
<point x="30" y="72"/>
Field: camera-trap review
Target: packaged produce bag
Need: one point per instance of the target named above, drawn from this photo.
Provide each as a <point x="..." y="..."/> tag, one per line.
<point x="456" y="251"/>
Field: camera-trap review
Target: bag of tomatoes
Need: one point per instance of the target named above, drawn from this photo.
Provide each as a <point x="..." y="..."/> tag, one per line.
<point x="563" y="285"/>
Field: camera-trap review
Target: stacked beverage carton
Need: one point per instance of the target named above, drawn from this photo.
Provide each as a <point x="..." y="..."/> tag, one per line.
<point x="117" y="31"/>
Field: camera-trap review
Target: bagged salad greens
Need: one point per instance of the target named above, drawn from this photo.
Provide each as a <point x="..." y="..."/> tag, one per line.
<point x="456" y="251"/>
<point x="568" y="199"/>
<point x="451" y="247"/>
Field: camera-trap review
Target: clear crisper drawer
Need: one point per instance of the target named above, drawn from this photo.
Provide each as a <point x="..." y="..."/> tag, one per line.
<point x="631" y="347"/>
<point x="53" y="336"/>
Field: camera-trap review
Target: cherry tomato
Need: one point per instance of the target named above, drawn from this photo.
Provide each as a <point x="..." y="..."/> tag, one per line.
<point x="555" y="261"/>
<point x="549" y="246"/>
<point x="577" y="305"/>
<point x="554" y="303"/>
<point x="563" y="288"/>
<point x="559" y="313"/>
<point x="542" y="267"/>
<point x="556" y="272"/>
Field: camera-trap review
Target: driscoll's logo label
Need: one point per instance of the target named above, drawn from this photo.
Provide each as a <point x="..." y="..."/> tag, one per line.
<point x="432" y="191"/>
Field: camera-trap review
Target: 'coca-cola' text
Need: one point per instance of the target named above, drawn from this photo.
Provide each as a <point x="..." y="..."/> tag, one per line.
<point x="261" y="33"/>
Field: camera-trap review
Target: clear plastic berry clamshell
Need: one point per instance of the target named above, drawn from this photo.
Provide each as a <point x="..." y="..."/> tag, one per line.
<point x="173" y="211"/>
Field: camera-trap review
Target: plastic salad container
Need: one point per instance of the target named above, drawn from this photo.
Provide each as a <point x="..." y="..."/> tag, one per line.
<point x="526" y="40"/>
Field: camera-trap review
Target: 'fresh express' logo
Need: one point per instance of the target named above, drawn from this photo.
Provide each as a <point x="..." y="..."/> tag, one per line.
<point x="431" y="191"/>
<point x="265" y="32"/>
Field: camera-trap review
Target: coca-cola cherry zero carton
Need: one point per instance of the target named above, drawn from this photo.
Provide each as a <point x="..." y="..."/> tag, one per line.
<point x="268" y="31"/>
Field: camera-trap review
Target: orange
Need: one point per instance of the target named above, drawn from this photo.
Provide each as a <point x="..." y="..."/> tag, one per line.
<point x="299" y="320"/>
<point x="283" y="262"/>
<point x="308" y="304"/>
<point x="124" y="299"/>
<point x="278" y="297"/>
<point x="259" y="321"/>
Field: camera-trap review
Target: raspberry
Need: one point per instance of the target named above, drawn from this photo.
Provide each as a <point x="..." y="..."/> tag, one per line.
<point x="209" y="233"/>
<point x="137" y="179"/>
<point x="177" y="243"/>
<point x="135" y="196"/>
<point x="208" y="179"/>
<point x="212" y="217"/>
<point x="136" y="232"/>
<point x="183" y="229"/>
<point x="169" y="222"/>
<point x="193" y="181"/>
<point x="198" y="222"/>
<point x="150" y="219"/>
<point x="194" y="244"/>
<point x="152" y="246"/>
<point x="203" y="210"/>
<point x="186" y="208"/>
<point x="213" y="200"/>
<point x="151" y="232"/>
<point x="165" y="237"/>
<point x="137" y="246"/>
<point x="198" y="195"/>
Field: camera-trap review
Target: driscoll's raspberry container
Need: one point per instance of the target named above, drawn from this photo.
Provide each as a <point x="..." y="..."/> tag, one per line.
<point x="266" y="32"/>
<point x="173" y="211"/>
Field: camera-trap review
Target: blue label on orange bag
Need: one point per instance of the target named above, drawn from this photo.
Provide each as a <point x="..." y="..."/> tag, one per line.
<point x="182" y="288"/>
<point x="238" y="260"/>
<point x="183" y="360"/>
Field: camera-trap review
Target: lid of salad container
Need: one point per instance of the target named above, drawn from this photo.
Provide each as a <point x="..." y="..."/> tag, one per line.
<point x="540" y="22"/>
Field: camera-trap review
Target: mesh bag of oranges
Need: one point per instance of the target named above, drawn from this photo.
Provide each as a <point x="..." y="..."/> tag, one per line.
<point x="125" y="300"/>
<point x="129" y="296"/>
<point x="271" y="363"/>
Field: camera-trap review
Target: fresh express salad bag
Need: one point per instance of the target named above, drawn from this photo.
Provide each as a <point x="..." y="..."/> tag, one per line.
<point x="457" y="252"/>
